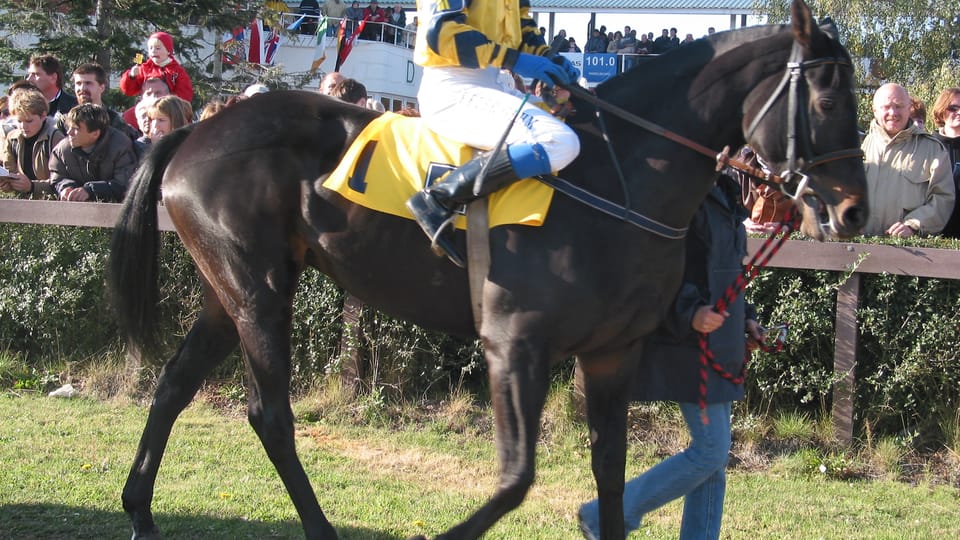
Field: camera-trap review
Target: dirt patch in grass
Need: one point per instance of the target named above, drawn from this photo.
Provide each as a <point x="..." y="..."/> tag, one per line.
<point x="654" y="431"/>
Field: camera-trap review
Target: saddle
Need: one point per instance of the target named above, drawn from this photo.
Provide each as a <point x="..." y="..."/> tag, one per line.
<point x="395" y="156"/>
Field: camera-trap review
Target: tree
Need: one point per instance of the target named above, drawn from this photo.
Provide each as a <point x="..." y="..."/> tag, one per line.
<point x="111" y="32"/>
<point x="915" y="43"/>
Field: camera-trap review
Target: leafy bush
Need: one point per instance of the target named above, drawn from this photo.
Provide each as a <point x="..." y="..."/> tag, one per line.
<point x="53" y="307"/>
<point x="51" y="289"/>
<point x="908" y="370"/>
<point x="52" y="310"/>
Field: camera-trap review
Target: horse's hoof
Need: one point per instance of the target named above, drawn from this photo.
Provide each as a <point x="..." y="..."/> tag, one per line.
<point x="153" y="534"/>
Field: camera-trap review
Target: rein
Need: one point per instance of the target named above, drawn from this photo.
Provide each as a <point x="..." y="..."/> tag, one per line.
<point x="759" y="259"/>
<point x="722" y="158"/>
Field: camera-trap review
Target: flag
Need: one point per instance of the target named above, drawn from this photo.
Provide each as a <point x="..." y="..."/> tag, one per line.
<point x="233" y="50"/>
<point x="320" y="52"/>
<point x="296" y="24"/>
<point x="270" y="46"/>
<point x="347" y="45"/>
<point x="256" y="45"/>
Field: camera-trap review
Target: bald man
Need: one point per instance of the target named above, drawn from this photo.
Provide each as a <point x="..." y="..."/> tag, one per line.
<point x="909" y="179"/>
<point x="329" y="81"/>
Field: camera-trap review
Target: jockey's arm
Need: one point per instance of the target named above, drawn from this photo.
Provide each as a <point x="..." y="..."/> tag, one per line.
<point x="451" y="40"/>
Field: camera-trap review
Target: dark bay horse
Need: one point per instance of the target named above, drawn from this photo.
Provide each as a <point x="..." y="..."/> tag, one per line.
<point x="242" y="191"/>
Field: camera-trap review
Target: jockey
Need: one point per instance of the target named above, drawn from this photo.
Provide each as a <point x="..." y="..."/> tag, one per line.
<point x="462" y="45"/>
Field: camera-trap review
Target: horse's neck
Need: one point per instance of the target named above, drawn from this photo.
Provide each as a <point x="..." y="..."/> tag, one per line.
<point x="696" y="92"/>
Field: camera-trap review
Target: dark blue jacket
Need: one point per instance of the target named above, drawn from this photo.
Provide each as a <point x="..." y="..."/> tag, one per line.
<point x="715" y="247"/>
<point x="952" y="144"/>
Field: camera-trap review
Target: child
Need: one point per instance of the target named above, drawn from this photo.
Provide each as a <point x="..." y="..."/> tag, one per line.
<point x="160" y="64"/>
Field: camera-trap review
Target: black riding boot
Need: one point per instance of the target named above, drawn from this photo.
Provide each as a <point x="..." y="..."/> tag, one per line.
<point x="433" y="207"/>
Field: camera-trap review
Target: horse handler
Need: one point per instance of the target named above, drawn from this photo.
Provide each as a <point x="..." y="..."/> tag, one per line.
<point x="670" y="370"/>
<point x="462" y="46"/>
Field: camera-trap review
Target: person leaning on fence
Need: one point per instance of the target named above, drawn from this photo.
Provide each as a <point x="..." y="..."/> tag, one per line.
<point x="310" y="8"/>
<point x="374" y="15"/>
<point x="352" y="14"/>
<point x="90" y="84"/>
<point x="153" y="89"/>
<point x="333" y="9"/>
<point x="167" y="114"/>
<point x="213" y="107"/>
<point x="946" y="116"/>
<point x="669" y="370"/>
<point x="397" y="21"/>
<point x="767" y="205"/>
<point x="410" y="33"/>
<point x="462" y="48"/>
<point x="644" y="45"/>
<point x="329" y="81"/>
<point x="614" y="44"/>
<point x="351" y="91"/>
<point x="26" y="153"/>
<point x="918" y="113"/>
<point x="596" y="43"/>
<point x="46" y="72"/>
<point x="95" y="161"/>
<point x="909" y="178"/>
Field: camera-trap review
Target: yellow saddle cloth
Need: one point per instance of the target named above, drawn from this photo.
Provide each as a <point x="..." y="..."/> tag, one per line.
<point x="395" y="156"/>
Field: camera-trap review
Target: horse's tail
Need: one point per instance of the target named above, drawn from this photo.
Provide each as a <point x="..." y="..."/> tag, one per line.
<point x="132" y="273"/>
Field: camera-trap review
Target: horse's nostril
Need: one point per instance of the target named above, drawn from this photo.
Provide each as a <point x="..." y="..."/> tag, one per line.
<point x="855" y="217"/>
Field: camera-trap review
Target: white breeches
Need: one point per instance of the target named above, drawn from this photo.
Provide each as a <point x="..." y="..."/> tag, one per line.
<point x="475" y="106"/>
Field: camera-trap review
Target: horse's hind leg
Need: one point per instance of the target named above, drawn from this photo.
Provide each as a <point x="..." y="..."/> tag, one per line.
<point x="212" y="337"/>
<point x="265" y="335"/>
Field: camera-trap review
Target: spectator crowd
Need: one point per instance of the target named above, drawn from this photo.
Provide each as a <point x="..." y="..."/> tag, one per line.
<point x="71" y="146"/>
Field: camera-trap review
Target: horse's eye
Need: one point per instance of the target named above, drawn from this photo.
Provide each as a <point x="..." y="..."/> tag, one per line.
<point x="826" y="104"/>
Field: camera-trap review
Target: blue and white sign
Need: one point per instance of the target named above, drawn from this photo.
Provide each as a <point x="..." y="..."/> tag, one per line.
<point x="575" y="58"/>
<point x="598" y="67"/>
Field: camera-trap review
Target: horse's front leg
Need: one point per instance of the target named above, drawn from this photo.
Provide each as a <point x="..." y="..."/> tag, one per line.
<point x="212" y="337"/>
<point x="606" y="386"/>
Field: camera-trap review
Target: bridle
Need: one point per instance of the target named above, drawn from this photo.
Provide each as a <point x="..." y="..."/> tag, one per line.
<point x="798" y="123"/>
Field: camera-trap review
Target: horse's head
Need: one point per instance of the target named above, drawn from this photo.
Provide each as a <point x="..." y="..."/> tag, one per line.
<point x="806" y="129"/>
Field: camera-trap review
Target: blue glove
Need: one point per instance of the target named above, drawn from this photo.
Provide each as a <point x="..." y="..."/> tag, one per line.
<point x="571" y="70"/>
<point x="542" y="68"/>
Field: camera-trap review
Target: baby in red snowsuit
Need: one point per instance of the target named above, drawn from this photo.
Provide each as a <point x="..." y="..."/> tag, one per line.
<point x="161" y="65"/>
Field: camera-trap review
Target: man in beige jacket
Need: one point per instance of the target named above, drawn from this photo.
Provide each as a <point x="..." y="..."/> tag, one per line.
<point x="909" y="182"/>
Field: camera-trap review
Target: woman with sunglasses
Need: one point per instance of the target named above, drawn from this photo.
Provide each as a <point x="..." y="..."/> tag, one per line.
<point x="946" y="116"/>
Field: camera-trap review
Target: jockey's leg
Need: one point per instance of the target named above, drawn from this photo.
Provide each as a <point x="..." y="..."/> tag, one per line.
<point x="480" y="108"/>
<point x="434" y="207"/>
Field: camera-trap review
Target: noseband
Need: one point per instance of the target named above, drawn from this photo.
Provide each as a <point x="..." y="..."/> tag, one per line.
<point x="798" y="123"/>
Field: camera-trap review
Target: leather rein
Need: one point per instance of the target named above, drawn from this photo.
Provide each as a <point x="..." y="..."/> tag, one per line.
<point x="798" y="121"/>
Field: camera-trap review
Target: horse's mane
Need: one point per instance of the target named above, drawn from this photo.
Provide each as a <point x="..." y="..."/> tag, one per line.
<point x="710" y="60"/>
<point x="683" y="63"/>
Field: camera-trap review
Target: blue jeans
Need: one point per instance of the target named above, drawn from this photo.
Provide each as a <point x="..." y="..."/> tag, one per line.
<point x="698" y="474"/>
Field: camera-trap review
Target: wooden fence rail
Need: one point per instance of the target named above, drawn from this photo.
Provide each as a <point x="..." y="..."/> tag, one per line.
<point x="849" y="258"/>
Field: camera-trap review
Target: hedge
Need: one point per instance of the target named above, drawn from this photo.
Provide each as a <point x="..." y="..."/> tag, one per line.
<point x="52" y="310"/>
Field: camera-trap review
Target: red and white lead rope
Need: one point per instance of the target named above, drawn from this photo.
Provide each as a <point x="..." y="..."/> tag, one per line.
<point x="760" y="259"/>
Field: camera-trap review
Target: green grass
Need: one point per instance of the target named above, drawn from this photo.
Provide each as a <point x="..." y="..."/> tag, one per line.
<point x="64" y="463"/>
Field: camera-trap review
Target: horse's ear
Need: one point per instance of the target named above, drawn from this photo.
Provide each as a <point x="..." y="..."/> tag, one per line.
<point x="803" y="24"/>
<point x="826" y="24"/>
